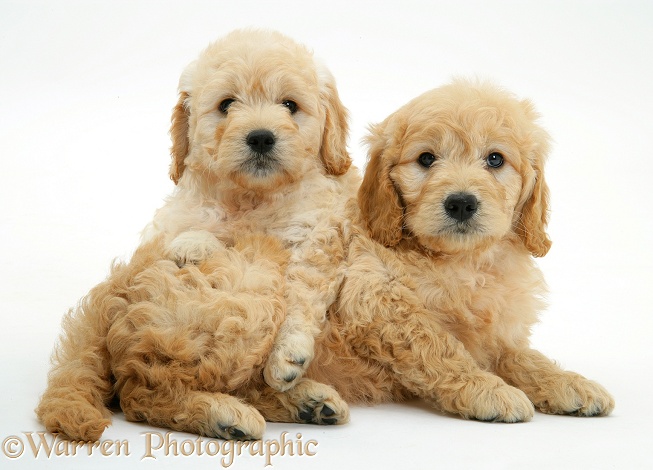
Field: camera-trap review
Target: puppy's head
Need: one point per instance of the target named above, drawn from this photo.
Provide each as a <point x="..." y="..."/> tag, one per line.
<point x="256" y="109"/>
<point x="458" y="168"/>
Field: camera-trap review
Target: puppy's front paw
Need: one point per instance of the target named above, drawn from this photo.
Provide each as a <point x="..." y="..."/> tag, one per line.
<point x="317" y="403"/>
<point x="505" y="405"/>
<point x="495" y="401"/>
<point x="290" y="357"/>
<point x="573" y="394"/>
<point x="193" y="246"/>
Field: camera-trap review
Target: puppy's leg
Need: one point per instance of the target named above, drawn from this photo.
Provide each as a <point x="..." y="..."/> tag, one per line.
<point x="435" y="366"/>
<point x="79" y="384"/>
<point x="314" y="274"/>
<point x="192" y="246"/>
<point x="175" y="407"/>
<point x="292" y="352"/>
<point x="387" y="323"/>
<point x="307" y="402"/>
<point x="74" y="404"/>
<point x="552" y="389"/>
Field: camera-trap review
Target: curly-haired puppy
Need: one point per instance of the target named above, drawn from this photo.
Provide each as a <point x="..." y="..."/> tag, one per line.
<point x="237" y="268"/>
<point x="439" y="304"/>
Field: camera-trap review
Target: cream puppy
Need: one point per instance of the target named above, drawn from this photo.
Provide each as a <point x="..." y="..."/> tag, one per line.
<point x="441" y="289"/>
<point x="236" y="270"/>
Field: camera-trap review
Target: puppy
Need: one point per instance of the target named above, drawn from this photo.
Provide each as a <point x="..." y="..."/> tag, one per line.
<point x="442" y="289"/>
<point x="234" y="275"/>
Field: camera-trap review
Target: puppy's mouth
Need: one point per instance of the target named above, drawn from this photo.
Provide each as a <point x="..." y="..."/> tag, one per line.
<point x="468" y="227"/>
<point x="260" y="165"/>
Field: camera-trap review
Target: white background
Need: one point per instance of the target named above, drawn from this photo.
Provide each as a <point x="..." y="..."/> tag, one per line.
<point x="86" y="91"/>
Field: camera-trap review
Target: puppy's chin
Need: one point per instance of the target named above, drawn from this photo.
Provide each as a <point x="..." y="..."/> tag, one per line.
<point x="457" y="240"/>
<point x="262" y="177"/>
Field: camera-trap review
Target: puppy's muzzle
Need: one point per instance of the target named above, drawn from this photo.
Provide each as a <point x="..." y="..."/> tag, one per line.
<point x="261" y="141"/>
<point x="461" y="206"/>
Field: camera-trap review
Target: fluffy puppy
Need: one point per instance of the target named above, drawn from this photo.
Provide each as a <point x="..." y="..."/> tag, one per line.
<point x="440" y="302"/>
<point x="237" y="268"/>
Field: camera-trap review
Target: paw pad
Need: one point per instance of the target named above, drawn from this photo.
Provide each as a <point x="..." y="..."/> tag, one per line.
<point x="313" y="416"/>
<point x="306" y="416"/>
<point x="233" y="433"/>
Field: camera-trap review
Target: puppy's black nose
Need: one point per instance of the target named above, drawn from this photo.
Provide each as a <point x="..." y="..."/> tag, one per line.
<point x="461" y="206"/>
<point x="261" y="140"/>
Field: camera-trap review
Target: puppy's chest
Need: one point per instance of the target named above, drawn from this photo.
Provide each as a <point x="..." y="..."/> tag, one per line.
<point x="462" y="295"/>
<point x="291" y="225"/>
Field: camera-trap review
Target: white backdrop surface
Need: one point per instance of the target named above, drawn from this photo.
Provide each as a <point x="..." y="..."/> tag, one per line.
<point x="86" y="91"/>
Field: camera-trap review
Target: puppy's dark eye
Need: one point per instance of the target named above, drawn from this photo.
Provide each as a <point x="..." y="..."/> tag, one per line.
<point x="291" y="105"/>
<point x="426" y="159"/>
<point x="494" y="160"/>
<point x="224" y="105"/>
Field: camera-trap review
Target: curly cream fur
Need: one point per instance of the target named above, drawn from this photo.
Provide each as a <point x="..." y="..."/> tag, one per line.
<point x="234" y="274"/>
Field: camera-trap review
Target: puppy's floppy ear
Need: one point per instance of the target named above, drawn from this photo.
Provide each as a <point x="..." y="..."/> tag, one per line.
<point x="179" y="135"/>
<point x="534" y="217"/>
<point x="379" y="202"/>
<point x="333" y="150"/>
<point x="179" y="128"/>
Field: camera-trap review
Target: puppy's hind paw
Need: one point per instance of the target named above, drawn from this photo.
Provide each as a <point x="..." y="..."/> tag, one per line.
<point x="234" y="420"/>
<point x="289" y="360"/>
<point x="192" y="247"/>
<point x="75" y="419"/>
